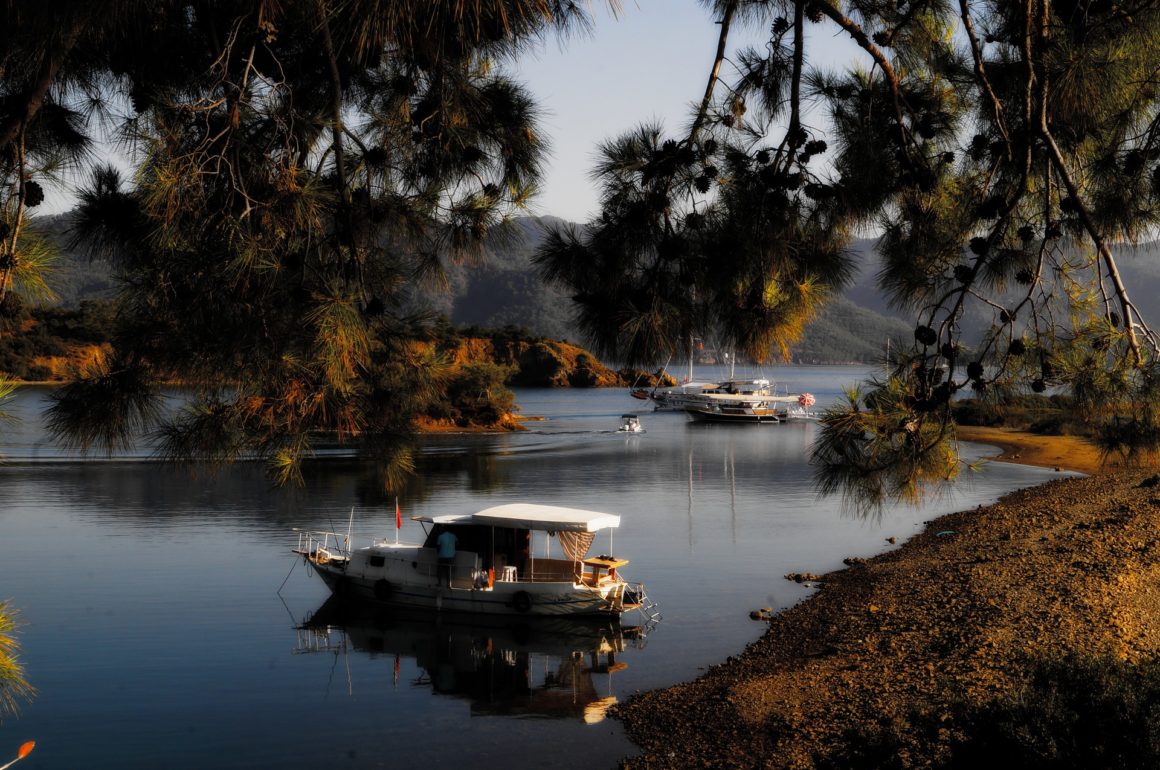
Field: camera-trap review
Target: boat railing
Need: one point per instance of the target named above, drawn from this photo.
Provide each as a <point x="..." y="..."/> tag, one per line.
<point x="555" y="571"/>
<point x="634" y="597"/>
<point x="319" y="545"/>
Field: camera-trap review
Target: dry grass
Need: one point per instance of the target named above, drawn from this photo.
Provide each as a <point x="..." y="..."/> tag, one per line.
<point x="1069" y="453"/>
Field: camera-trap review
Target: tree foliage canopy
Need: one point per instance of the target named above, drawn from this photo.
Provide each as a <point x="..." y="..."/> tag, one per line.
<point x="999" y="150"/>
<point x="298" y="169"/>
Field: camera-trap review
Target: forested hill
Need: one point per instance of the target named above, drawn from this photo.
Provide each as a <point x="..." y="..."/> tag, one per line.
<point x="506" y="291"/>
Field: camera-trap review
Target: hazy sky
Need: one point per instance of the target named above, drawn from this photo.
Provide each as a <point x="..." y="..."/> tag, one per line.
<point x="650" y="63"/>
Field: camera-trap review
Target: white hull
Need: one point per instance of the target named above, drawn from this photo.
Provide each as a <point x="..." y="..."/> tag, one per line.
<point x="736" y="396"/>
<point x="680" y="398"/>
<point x="408" y="576"/>
<point x="734" y="414"/>
<point x="550" y="602"/>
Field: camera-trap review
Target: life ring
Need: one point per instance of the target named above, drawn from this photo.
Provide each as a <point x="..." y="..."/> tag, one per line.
<point x="522" y="601"/>
<point x="383" y="590"/>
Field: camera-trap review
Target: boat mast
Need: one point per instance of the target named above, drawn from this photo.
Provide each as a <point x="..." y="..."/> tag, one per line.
<point x="349" y="528"/>
<point x="690" y="377"/>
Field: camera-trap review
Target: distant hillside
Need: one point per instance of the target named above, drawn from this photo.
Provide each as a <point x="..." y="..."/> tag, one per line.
<point x="1139" y="265"/>
<point x="847" y="333"/>
<point x="505" y="291"/>
<point x="74" y="277"/>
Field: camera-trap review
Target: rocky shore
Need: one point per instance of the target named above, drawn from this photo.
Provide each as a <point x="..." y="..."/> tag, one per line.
<point x="916" y="657"/>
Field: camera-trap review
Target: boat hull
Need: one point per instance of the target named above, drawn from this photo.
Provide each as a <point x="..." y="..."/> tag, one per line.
<point x="537" y="599"/>
<point x="730" y="416"/>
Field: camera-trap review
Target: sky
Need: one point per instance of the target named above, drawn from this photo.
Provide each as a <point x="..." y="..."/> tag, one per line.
<point x="649" y="63"/>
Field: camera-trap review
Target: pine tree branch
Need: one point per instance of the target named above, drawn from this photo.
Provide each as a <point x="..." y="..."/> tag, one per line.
<point x="50" y="65"/>
<point x="981" y="75"/>
<point x="714" y="73"/>
<point x="1131" y="315"/>
<point x="863" y="41"/>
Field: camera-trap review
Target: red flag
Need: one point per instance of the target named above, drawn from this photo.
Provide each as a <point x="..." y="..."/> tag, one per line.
<point x="398" y="515"/>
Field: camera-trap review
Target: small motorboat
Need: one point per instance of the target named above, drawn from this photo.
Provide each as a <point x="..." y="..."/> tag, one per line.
<point x="485" y="563"/>
<point x="630" y="423"/>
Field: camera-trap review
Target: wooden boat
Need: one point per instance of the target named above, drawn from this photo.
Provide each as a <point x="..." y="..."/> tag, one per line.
<point x="493" y="567"/>
<point x="734" y="411"/>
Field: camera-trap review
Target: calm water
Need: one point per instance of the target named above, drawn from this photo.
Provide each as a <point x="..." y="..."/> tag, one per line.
<point x="156" y="635"/>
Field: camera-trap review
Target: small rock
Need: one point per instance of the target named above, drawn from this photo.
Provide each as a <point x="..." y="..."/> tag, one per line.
<point x="891" y="540"/>
<point x="850" y="561"/>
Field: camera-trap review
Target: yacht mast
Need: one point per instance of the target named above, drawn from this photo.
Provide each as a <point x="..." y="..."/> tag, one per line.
<point x="690" y="377"/>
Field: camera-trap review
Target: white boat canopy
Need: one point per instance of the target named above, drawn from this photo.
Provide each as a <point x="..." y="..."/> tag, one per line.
<point x="548" y="518"/>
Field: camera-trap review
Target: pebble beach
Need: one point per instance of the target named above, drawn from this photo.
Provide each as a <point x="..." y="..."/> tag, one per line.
<point x="884" y="664"/>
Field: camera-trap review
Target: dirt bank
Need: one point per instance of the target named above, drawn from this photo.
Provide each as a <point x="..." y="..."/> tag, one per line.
<point x="894" y="654"/>
<point x="1067" y="452"/>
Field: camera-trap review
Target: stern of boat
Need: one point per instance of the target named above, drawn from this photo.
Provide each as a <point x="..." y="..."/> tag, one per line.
<point x="628" y="597"/>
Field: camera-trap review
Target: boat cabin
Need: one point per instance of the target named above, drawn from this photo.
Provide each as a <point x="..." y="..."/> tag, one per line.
<point x="758" y="387"/>
<point x="522" y="542"/>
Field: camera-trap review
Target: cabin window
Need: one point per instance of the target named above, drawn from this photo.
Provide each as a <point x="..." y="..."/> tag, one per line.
<point x="377" y="561"/>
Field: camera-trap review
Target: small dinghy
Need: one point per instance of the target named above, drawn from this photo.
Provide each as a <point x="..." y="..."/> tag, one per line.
<point x="630" y="423"/>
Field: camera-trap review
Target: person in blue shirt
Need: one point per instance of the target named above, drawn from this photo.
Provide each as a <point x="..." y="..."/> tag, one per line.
<point x="446" y="543"/>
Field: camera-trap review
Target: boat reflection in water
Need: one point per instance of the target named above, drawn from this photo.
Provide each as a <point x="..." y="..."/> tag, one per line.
<point x="557" y="668"/>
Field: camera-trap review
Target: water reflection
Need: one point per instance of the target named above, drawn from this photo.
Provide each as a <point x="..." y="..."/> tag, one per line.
<point x="712" y="520"/>
<point x="550" y="668"/>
